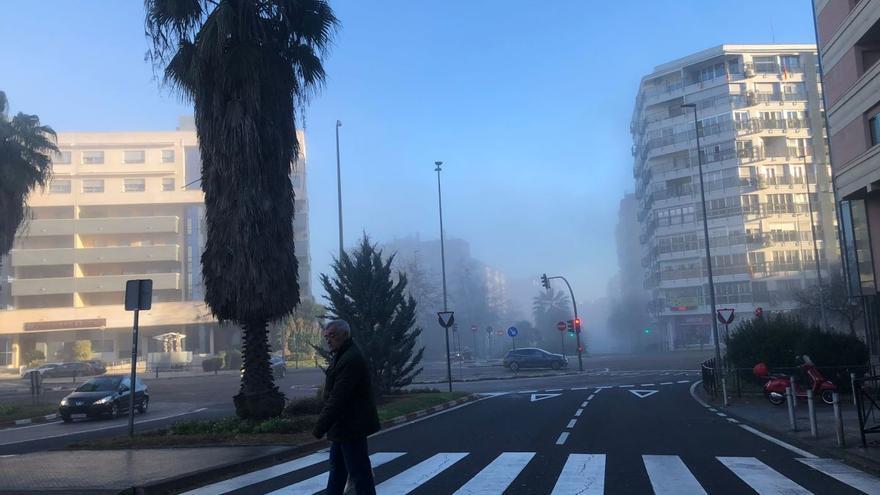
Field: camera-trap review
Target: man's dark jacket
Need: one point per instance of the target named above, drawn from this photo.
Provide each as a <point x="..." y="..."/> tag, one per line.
<point x="349" y="411"/>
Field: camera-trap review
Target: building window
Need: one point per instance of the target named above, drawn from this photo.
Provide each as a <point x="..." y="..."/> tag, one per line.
<point x="790" y="63"/>
<point x="134" y="185"/>
<point x="5" y="351"/>
<point x="59" y="186"/>
<point x="168" y="184"/>
<point x="874" y="127"/>
<point x="93" y="185"/>
<point x="765" y="65"/>
<point x="61" y="158"/>
<point x="92" y="157"/>
<point x="167" y="156"/>
<point x="134" y="156"/>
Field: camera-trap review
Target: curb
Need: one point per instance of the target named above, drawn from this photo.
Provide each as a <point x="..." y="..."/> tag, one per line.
<point x="176" y="484"/>
<point x="853" y="457"/>
<point x="490" y="378"/>
<point x="26" y="421"/>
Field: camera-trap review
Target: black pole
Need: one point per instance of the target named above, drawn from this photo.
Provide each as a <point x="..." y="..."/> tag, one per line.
<point x="131" y="385"/>
<point x="339" y="186"/>
<point x="443" y="270"/>
<point x="573" y="323"/>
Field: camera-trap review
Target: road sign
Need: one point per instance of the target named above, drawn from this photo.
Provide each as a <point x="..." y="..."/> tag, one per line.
<point x="561" y="326"/>
<point x="473" y="328"/>
<point x="499" y="333"/>
<point x="641" y="394"/>
<point x="138" y="295"/>
<point x="446" y="318"/>
<point x="537" y="397"/>
<point x="725" y="315"/>
<point x="512" y="331"/>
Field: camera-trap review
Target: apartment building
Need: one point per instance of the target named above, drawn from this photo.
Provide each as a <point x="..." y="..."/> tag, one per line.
<point x="759" y="111"/>
<point x="849" y="43"/>
<point x="119" y="206"/>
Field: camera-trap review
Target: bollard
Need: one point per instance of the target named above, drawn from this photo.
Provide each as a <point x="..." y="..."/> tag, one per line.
<point x="789" y="399"/>
<point x="724" y="390"/>
<point x="811" y="408"/>
<point x="838" y="420"/>
<point x="794" y="397"/>
<point x="157" y="372"/>
<point x="852" y="387"/>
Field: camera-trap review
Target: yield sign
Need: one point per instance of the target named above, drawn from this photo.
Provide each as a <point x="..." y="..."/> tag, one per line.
<point x="725" y="315"/>
<point x="537" y="397"/>
<point x="445" y="318"/>
<point x="641" y="394"/>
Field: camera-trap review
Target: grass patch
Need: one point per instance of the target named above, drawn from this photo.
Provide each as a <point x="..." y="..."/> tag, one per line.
<point x="11" y="412"/>
<point x="400" y="405"/>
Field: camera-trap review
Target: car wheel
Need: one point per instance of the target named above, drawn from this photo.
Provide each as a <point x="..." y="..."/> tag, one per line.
<point x="828" y="397"/>
<point x="514" y="366"/>
<point x="66" y="418"/>
<point x="114" y="411"/>
<point x="556" y="366"/>
<point x="145" y="404"/>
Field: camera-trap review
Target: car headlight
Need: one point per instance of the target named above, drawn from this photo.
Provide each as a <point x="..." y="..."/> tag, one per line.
<point x="105" y="400"/>
<point x="64" y="402"/>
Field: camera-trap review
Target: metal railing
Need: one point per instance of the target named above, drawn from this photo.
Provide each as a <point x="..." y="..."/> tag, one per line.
<point x="867" y="394"/>
<point x="709" y="378"/>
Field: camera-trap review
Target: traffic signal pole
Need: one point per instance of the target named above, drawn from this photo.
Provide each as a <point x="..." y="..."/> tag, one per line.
<point x="545" y="280"/>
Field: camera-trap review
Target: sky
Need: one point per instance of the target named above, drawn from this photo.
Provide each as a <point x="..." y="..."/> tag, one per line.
<point x="527" y="103"/>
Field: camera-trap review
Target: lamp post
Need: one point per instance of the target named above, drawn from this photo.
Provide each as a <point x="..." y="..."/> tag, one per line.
<point x="339" y="186"/>
<point x="815" y="244"/>
<point x="443" y="271"/>
<point x="712" y="315"/>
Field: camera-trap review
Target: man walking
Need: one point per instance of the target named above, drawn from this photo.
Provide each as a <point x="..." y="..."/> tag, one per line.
<point x="349" y="414"/>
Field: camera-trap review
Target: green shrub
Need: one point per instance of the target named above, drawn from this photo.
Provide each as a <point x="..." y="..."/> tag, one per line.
<point x="34" y="357"/>
<point x="305" y="406"/>
<point x="233" y="360"/>
<point x="212" y="363"/>
<point x="235" y="426"/>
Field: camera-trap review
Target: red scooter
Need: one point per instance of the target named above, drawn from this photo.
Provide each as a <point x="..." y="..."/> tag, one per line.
<point x="775" y="386"/>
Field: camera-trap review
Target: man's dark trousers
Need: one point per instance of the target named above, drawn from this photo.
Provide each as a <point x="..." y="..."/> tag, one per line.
<point x="350" y="459"/>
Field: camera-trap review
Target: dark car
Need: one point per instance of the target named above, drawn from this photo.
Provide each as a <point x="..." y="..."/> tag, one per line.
<point x="40" y="369"/>
<point x="531" y="357"/>
<point x="98" y="366"/>
<point x="279" y="367"/>
<point x="103" y="395"/>
<point x="68" y="370"/>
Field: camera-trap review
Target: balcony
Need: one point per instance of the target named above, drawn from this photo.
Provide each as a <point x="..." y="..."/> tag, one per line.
<point x="109" y="283"/>
<point x="68" y="256"/>
<point x="109" y="225"/>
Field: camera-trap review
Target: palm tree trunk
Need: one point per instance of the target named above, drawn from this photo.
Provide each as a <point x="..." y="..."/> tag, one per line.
<point x="258" y="397"/>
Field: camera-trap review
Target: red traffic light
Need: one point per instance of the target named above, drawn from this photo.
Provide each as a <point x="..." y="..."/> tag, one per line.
<point x="577" y="325"/>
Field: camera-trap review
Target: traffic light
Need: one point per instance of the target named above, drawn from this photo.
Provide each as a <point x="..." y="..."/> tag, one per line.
<point x="577" y="325"/>
<point x="569" y="325"/>
<point x="647" y="331"/>
<point x="545" y="281"/>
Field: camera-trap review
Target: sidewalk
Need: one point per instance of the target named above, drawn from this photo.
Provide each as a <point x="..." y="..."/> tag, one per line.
<point x="756" y="410"/>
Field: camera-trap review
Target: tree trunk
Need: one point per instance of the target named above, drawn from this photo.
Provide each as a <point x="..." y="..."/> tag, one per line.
<point x="258" y="397"/>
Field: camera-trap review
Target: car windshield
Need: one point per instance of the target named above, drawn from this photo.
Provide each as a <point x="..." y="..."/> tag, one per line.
<point x="99" y="385"/>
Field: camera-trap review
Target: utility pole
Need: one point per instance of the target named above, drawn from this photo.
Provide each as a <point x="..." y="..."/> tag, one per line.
<point x="443" y="271"/>
<point x="545" y="280"/>
<point x="815" y="244"/>
<point x="339" y="186"/>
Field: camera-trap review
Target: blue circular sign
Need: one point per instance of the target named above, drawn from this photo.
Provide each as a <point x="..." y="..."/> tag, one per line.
<point x="512" y="331"/>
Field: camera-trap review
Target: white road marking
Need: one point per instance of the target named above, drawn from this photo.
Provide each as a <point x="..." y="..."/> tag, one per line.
<point x="318" y="483"/>
<point x="417" y="475"/>
<point x="553" y="390"/>
<point x="713" y="409"/>
<point x="624" y="386"/>
<point x="582" y="388"/>
<point x="498" y="475"/>
<point x="244" y="480"/>
<point x="583" y="474"/>
<point x="537" y="397"/>
<point x="667" y="383"/>
<point x="761" y="477"/>
<point x="845" y="474"/>
<point x="584" y="403"/>
<point x="732" y="420"/>
<point x="669" y="476"/>
<point x="591" y="396"/>
<point x="562" y="438"/>
<point x="648" y="385"/>
<point x="800" y="452"/>
<point x="527" y="391"/>
<point x="683" y="381"/>
<point x="579" y="412"/>
<point x="571" y="423"/>
<point x="641" y="394"/>
<point x="722" y="415"/>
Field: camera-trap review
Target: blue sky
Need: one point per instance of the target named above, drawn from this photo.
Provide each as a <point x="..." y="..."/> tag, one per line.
<point x="527" y="102"/>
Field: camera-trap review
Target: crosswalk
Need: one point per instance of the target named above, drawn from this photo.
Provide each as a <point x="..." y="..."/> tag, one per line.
<point x="581" y="473"/>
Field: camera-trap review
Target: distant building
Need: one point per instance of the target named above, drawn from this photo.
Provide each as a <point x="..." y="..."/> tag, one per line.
<point x="119" y="206"/>
<point x="761" y="129"/>
<point x="849" y="43"/>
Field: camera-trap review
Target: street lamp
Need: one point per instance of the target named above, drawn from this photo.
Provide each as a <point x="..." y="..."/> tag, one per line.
<point x="339" y="185"/>
<point x="545" y="280"/>
<point x="813" y="231"/>
<point x="443" y="271"/>
<point x="712" y="315"/>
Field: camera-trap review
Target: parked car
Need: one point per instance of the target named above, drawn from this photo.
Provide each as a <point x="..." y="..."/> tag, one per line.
<point x="68" y="370"/>
<point x="103" y="395"/>
<point x="532" y="357"/>
<point x="98" y="366"/>
<point x="279" y="366"/>
<point x="41" y="369"/>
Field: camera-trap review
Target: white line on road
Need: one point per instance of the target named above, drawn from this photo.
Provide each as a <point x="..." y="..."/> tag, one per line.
<point x="722" y="415"/>
<point x="761" y="477"/>
<point x="318" y="483"/>
<point x="579" y="412"/>
<point x="667" y="383"/>
<point x="732" y="420"/>
<point x="800" y="452"/>
<point x="591" y="396"/>
<point x="562" y="438"/>
<point x="582" y="388"/>
<point x="571" y="424"/>
<point x="624" y="386"/>
<point x="683" y="381"/>
<point x="498" y="475"/>
<point x="583" y="474"/>
<point x="670" y="476"/>
<point x="845" y="474"/>
<point x="648" y="385"/>
<point x="244" y="480"/>
<point x="553" y="390"/>
<point x="584" y="404"/>
<point x="527" y="391"/>
<point x="415" y="476"/>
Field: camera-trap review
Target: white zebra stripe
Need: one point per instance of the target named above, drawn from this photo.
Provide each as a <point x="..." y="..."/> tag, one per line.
<point x="498" y="475"/>
<point x="669" y="476"/>
<point x="261" y="475"/>
<point x="317" y="483"/>
<point x="761" y="477"/>
<point x="583" y="474"/>
<point x="417" y="475"/>
<point x="845" y="474"/>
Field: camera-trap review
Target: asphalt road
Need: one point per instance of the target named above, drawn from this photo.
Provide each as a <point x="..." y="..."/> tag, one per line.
<point x="646" y="436"/>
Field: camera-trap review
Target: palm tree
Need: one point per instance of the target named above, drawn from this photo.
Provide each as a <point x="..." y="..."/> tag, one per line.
<point x="248" y="66"/>
<point x="26" y="150"/>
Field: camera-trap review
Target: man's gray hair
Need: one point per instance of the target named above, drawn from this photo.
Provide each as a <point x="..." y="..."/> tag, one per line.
<point x="339" y="324"/>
